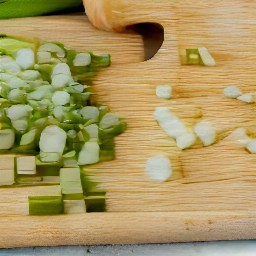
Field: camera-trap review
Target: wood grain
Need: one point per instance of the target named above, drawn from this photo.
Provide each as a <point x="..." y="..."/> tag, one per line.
<point x="212" y="195"/>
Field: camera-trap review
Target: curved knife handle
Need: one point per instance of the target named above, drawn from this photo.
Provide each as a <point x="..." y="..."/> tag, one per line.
<point x="116" y="15"/>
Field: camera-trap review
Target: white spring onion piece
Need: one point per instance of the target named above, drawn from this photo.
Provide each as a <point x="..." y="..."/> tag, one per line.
<point x="40" y="93"/>
<point x="26" y="165"/>
<point x="251" y="146"/>
<point x="74" y="206"/>
<point x="247" y="97"/>
<point x="20" y="125"/>
<point x="30" y="75"/>
<point x="164" y="91"/>
<point x="169" y="122"/>
<point x="52" y="143"/>
<point x="108" y="121"/>
<point x="78" y="88"/>
<point x="89" y="153"/>
<point x="28" y="137"/>
<point x="186" y="140"/>
<point x="93" y="131"/>
<point x="7" y="138"/>
<point x="82" y="59"/>
<point x="60" y="98"/>
<point x="90" y="113"/>
<point x="54" y="48"/>
<point x="205" y="132"/>
<point x="232" y="92"/>
<point x="206" y="57"/>
<point x="239" y="135"/>
<point x="12" y="81"/>
<point x="44" y="57"/>
<point x="158" y="168"/>
<point x="61" y="80"/>
<point x="9" y="65"/>
<point x="18" y="111"/>
<point x="14" y="95"/>
<point x="61" y="75"/>
<point x="61" y="68"/>
<point x="25" y="58"/>
<point x="59" y="112"/>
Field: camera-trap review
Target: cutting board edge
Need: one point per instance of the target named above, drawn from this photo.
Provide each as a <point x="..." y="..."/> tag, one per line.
<point x="126" y="228"/>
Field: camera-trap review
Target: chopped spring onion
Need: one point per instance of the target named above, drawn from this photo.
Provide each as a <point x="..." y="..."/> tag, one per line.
<point x="60" y="98"/>
<point x="232" y="92"/>
<point x="159" y="168"/>
<point x="239" y="135"/>
<point x="52" y="48"/>
<point x="205" y="132"/>
<point x="90" y="113"/>
<point x="169" y="122"/>
<point x="46" y="110"/>
<point x="206" y="57"/>
<point x="47" y="169"/>
<point x="82" y="59"/>
<point x="199" y="56"/>
<point x="25" y="58"/>
<point x="95" y="203"/>
<point x="26" y="165"/>
<point x="247" y="97"/>
<point x="93" y="131"/>
<point x="89" y="154"/>
<point x="52" y="143"/>
<point x="28" y="137"/>
<point x="7" y="138"/>
<point x="251" y="146"/>
<point x="74" y="206"/>
<point x="29" y="75"/>
<point x="164" y="91"/>
<point x="185" y="140"/>
<point x="45" y="205"/>
<point x="193" y="57"/>
<point x="70" y="183"/>
<point x="16" y="112"/>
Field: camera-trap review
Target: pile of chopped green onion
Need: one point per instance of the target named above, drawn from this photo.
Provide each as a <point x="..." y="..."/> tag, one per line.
<point x="46" y="113"/>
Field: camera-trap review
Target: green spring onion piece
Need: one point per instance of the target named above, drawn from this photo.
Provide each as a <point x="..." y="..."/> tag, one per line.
<point x="48" y="169"/>
<point x="193" y="57"/>
<point x="90" y="187"/>
<point x="26" y="179"/>
<point x="11" y="45"/>
<point x="29" y="137"/>
<point x="45" y="205"/>
<point x="70" y="182"/>
<point x="95" y="203"/>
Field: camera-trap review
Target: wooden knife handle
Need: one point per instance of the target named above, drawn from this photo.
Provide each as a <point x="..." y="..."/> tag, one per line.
<point x="116" y="15"/>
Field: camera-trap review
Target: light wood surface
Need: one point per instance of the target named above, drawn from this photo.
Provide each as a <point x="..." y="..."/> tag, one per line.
<point x="212" y="194"/>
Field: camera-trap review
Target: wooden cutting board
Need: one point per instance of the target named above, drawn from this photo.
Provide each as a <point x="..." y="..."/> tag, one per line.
<point x="212" y="193"/>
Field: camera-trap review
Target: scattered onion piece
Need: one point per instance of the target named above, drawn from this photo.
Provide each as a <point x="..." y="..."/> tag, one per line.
<point x="158" y="168"/>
